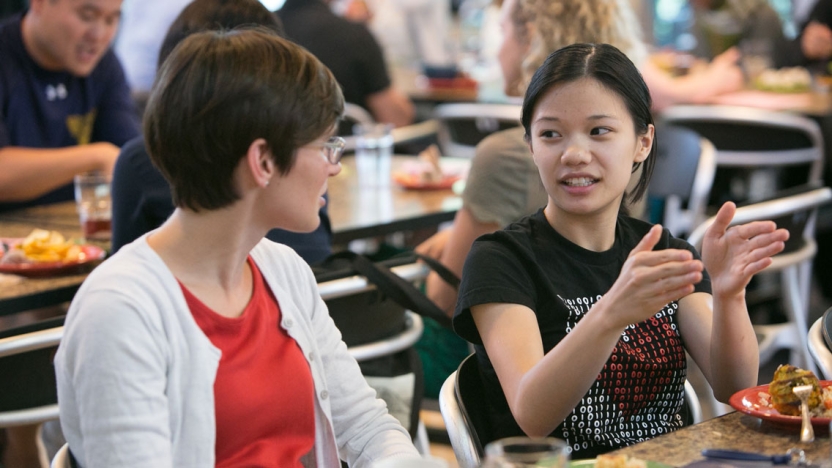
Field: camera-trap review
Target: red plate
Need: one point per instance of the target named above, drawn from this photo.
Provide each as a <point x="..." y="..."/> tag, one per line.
<point x="415" y="181"/>
<point x="748" y="401"/>
<point x="90" y="255"/>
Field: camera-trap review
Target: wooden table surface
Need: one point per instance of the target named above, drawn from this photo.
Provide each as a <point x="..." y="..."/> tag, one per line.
<point x="811" y="104"/>
<point x="356" y="210"/>
<point x="735" y="431"/>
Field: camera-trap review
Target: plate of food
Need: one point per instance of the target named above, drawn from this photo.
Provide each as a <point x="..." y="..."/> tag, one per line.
<point x="777" y="403"/>
<point x="427" y="173"/>
<point x="615" y="461"/>
<point x="784" y="80"/>
<point x="46" y="253"/>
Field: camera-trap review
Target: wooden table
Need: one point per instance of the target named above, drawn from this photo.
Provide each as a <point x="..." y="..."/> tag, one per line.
<point x="735" y="431"/>
<point x="33" y="293"/>
<point x="356" y="210"/>
<point x="812" y="104"/>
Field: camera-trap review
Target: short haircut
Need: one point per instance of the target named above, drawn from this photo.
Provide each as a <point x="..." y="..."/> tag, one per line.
<point x="217" y="93"/>
<point x="206" y="15"/>
<point x="610" y="67"/>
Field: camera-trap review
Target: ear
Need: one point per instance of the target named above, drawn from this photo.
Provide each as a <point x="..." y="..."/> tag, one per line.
<point x="644" y="144"/>
<point x="259" y="162"/>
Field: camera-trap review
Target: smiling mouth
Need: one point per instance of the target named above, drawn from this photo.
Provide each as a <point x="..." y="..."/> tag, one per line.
<point x="579" y="182"/>
<point x="87" y="53"/>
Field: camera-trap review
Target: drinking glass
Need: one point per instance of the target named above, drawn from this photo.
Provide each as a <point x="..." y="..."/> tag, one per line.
<point x="373" y="153"/>
<point x="92" y="198"/>
<point x="520" y="452"/>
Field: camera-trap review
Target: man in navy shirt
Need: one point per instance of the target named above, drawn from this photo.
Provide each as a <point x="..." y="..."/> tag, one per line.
<point x="65" y="107"/>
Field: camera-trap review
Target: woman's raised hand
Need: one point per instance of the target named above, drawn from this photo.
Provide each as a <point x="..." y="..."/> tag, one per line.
<point x="650" y="279"/>
<point x="732" y="255"/>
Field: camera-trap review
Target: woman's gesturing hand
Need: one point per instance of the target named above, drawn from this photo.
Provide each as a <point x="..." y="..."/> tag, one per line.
<point x="650" y="279"/>
<point x="732" y="255"/>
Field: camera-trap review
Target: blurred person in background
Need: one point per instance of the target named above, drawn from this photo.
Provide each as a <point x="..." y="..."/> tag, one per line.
<point x="141" y="195"/>
<point x="813" y="46"/>
<point x="352" y="53"/>
<point x="65" y="107"/>
<point x="751" y="25"/>
<point x="413" y="33"/>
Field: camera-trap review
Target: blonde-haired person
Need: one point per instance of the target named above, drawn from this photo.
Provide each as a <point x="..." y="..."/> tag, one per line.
<point x="503" y="183"/>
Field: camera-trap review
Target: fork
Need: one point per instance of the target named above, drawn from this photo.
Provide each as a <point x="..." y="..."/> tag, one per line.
<point x="807" y="434"/>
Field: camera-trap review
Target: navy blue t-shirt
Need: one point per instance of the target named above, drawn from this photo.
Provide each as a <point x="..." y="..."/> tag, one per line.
<point x="142" y="202"/>
<point x="45" y="109"/>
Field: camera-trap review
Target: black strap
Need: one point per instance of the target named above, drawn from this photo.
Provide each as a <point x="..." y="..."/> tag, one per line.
<point x="440" y="269"/>
<point x="395" y="287"/>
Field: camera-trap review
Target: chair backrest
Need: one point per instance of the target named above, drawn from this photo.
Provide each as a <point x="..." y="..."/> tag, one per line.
<point x="464" y="410"/>
<point x="691" y="407"/>
<point x="682" y="177"/>
<point x="795" y="209"/>
<point x="379" y="332"/>
<point x="820" y="344"/>
<point x="28" y="392"/>
<point x="756" y="138"/>
<point x="463" y="125"/>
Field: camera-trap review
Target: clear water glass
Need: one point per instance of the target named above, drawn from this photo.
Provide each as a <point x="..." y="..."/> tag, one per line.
<point x="521" y="452"/>
<point x="373" y="154"/>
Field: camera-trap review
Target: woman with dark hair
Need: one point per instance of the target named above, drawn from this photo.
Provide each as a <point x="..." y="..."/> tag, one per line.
<point x="201" y="343"/>
<point x="581" y="315"/>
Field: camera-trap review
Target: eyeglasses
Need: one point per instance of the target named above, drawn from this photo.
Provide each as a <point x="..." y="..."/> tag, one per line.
<point x="334" y="149"/>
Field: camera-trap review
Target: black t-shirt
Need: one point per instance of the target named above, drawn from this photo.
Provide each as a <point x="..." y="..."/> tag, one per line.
<point x="348" y="49"/>
<point x="142" y="202"/>
<point x="639" y="391"/>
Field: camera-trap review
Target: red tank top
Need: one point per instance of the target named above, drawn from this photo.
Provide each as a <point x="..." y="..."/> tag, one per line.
<point x="263" y="393"/>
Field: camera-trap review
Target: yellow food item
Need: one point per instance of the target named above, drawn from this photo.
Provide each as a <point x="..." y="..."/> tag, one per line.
<point x="49" y="246"/>
<point x="786" y="377"/>
<point x="618" y="461"/>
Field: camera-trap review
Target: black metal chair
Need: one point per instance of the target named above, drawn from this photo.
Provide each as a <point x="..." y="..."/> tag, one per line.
<point x="796" y="212"/>
<point x="757" y="151"/>
<point x="682" y="177"/>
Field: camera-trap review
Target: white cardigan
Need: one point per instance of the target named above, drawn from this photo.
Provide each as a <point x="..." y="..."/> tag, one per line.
<point x="136" y="373"/>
